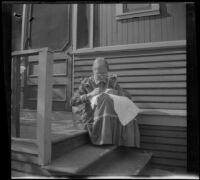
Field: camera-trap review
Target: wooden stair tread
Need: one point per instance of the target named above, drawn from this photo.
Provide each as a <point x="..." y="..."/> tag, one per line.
<point x="24" y="147"/>
<point x="120" y="162"/>
<point x="67" y="134"/>
<point x="80" y="158"/>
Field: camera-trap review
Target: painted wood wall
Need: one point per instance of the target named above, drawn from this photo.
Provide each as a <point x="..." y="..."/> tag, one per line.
<point x="169" y="25"/>
<point x="156" y="79"/>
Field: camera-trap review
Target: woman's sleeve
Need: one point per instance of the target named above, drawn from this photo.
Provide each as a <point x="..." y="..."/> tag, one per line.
<point x="80" y="96"/>
<point x="120" y="90"/>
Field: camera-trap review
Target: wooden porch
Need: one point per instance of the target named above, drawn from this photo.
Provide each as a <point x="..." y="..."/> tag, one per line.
<point x="49" y="143"/>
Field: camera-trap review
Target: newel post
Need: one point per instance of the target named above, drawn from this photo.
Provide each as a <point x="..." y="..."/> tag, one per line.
<point x="44" y="106"/>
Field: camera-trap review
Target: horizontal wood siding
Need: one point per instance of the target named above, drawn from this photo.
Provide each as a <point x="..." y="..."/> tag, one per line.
<point x="169" y="25"/>
<point x="168" y="145"/>
<point x="156" y="80"/>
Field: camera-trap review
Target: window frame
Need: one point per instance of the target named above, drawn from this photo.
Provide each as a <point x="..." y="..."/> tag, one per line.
<point x="120" y="15"/>
<point x="91" y="30"/>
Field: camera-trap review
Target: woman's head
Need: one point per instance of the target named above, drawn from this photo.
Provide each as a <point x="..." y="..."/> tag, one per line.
<point x="100" y="69"/>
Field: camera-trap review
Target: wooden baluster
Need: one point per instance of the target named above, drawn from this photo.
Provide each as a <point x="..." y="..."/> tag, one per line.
<point x="44" y="106"/>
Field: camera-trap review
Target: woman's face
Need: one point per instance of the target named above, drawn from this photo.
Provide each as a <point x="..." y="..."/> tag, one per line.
<point x="100" y="73"/>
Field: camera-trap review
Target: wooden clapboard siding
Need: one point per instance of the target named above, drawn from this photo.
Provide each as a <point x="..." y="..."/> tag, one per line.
<point x="168" y="144"/>
<point x="169" y="25"/>
<point x="156" y="79"/>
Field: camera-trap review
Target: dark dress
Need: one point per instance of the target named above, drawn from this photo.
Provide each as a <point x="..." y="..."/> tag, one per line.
<point x="102" y="122"/>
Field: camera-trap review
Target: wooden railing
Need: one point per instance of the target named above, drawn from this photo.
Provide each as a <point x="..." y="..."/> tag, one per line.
<point x="44" y="99"/>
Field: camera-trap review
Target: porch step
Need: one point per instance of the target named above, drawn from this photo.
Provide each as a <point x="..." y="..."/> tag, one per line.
<point x="26" y="150"/>
<point x="56" y="115"/>
<point x="64" y="143"/>
<point x="121" y="162"/>
<point x="77" y="160"/>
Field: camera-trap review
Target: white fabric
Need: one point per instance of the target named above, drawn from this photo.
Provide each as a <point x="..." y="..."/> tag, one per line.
<point x="124" y="107"/>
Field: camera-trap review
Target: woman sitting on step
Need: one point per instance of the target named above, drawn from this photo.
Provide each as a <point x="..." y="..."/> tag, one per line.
<point x="106" y="108"/>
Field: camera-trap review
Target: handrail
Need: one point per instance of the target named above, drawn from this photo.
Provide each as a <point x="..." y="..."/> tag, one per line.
<point x="44" y="99"/>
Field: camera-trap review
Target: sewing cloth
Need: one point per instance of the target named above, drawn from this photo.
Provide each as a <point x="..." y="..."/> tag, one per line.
<point x="123" y="106"/>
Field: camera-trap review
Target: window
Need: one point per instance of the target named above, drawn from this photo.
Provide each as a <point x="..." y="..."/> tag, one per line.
<point x="83" y="25"/>
<point x="125" y="11"/>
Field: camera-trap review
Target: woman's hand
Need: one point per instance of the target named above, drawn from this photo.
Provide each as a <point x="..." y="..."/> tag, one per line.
<point x="95" y="92"/>
<point x="112" y="91"/>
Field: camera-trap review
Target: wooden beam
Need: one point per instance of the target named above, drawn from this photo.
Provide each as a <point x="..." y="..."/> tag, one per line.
<point x="74" y="26"/>
<point x="134" y="47"/>
<point x="44" y="106"/>
<point x="28" y="52"/>
<point x="91" y="25"/>
<point x="15" y="121"/>
<point x="24" y="26"/>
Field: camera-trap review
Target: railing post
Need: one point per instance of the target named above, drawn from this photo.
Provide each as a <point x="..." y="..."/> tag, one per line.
<point x="44" y="106"/>
<point x="15" y="104"/>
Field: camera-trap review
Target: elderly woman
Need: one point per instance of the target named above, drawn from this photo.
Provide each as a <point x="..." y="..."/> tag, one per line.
<point x="102" y="121"/>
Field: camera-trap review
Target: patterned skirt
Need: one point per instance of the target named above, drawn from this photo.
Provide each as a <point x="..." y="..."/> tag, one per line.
<point x="107" y="128"/>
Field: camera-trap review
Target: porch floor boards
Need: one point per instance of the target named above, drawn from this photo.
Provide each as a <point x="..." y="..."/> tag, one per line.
<point x="60" y="129"/>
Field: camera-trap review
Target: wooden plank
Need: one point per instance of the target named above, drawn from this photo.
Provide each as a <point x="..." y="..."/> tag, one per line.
<point x="154" y="85"/>
<point x="160" y="133"/>
<point x="161" y="118"/>
<point x="158" y="25"/>
<point x="141" y="30"/>
<point x="169" y="78"/>
<point x="164" y="26"/>
<point x="29" y="168"/>
<point x="23" y="157"/>
<point x="158" y="92"/>
<point x="19" y="174"/>
<point x="130" y="31"/>
<point x="165" y="112"/>
<point x="179" y="14"/>
<point x="132" y="59"/>
<point x="164" y="147"/>
<point x="56" y="81"/>
<point x="179" y="99"/>
<point x="170" y="22"/>
<point x="152" y="65"/>
<point x="119" y="32"/>
<point x="74" y="25"/>
<point x="182" y="27"/>
<point x="16" y="89"/>
<point x="96" y="25"/>
<point x="171" y="162"/>
<point x="168" y="155"/>
<point x="124" y="31"/>
<point x="146" y="29"/>
<point x="109" y="24"/>
<point x="114" y="26"/>
<point x="91" y="30"/>
<point x="139" y="72"/>
<point x="164" y="140"/>
<point x="163" y="92"/>
<point x="28" y="52"/>
<point x="44" y="106"/>
<point x="149" y="105"/>
<point x="151" y="85"/>
<point x="104" y="21"/>
<point x="163" y="78"/>
<point x="164" y="128"/>
<point x="101" y="24"/>
<point x="135" y="30"/>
